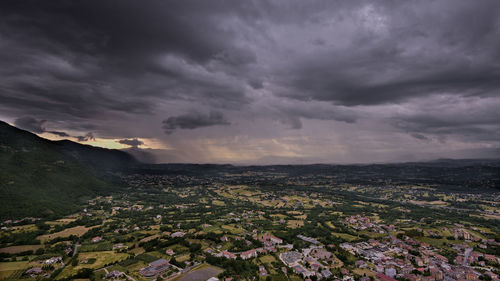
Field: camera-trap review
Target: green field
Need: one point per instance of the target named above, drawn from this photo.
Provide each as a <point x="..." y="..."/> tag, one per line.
<point x="267" y="259"/>
<point x="15" y="265"/>
<point x="233" y="229"/>
<point x="101" y="259"/>
<point x="19" y="249"/>
<point x="200" y="273"/>
<point x="345" y="236"/>
<point x="77" y="230"/>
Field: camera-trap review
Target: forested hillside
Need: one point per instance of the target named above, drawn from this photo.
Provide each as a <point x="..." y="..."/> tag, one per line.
<point x="39" y="177"/>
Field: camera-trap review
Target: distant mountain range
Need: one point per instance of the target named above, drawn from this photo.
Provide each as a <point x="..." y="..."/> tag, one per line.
<point x="467" y="174"/>
<point x="40" y="177"/>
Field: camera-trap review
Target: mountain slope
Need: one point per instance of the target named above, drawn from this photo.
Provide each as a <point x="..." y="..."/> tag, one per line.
<point x="39" y="177"/>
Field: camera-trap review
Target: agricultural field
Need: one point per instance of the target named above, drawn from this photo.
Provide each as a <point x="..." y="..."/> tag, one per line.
<point x="240" y="227"/>
<point x="77" y="230"/>
<point x="20" y="249"/>
<point x="12" y="270"/>
<point x="200" y="273"/>
<point x="98" y="260"/>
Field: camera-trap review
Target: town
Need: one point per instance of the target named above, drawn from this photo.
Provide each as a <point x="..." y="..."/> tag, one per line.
<point x="200" y="228"/>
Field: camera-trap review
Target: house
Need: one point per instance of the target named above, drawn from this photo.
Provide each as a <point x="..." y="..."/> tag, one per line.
<point x="308" y="239"/>
<point x="437" y="274"/>
<point x="413" y="277"/>
<point x="390" y="272"/>
<point x="262" y="270"/>
<point x="96" y="239"/>
<point x="34" y="270"/>
<point x="68" y="251"/>
<point x="171" y="252"/>
<point x="360" y="264"/>
<point x="326" y="273"/>
<point x="228" y="255"/>
<point x="53" y="260"/>
<point x="249" y="254"/>
<point x="270" y="238"/>
<point x="213" y="279"/>
<point x="275" y="239"/>
<point x="270" y="249"/>
<point x="491" y="258"/>
<point x="470" y="275"/>
<point x="114" y="274"/>
<point x="383" y="277"/>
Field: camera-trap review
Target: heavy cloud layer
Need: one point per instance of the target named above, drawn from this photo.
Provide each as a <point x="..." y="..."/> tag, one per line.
<point x="240" y="81"/>
<point x="194" y="120"/>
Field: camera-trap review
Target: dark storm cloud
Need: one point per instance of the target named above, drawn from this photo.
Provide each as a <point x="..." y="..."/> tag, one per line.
<point x="475" y="119"/>
<point x="86" y="60"/>
<point x="419" y="136"/>
<point x="31" y="124"/>
<point x="119" y="27"/>
<point x="131" y="142"/>
<point x="60" y="134"/>
<point x="87" y="137"/>
<point x="291" y="114"/>
<point x="401" y="55"/>
<point x="100" y="66"/>
<point x="423" y="127"/>
<point x="36" y="126"/>
<point x="193" y="121"/>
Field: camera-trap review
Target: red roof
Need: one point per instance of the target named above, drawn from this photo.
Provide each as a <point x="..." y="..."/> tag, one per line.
<point x="384" y="277"/>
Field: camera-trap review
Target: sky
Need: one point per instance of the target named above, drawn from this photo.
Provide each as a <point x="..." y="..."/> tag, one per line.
<point x="257" y="82"/>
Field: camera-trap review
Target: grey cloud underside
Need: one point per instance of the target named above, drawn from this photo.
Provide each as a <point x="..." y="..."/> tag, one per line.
<point x="194" y="120"/>
<point x="30" y="124"/>
<point x="100" y="66"/>
<point x="39" y="126"/>
<point x="87" y="137"/>
<point x="79" y="59"/>
<point x="414" y="53"/>
<point x="131" y="142"/>
<point x="478" y="129"/>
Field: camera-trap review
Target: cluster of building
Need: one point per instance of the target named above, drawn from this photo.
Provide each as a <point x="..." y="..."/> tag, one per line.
<point x="310" y="262"/>
<point x="360" y="222"/>
<point x="416" y="261"/>
<point x="270" y="243"/>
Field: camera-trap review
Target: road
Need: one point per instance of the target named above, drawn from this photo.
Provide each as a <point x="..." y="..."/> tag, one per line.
<point x="466" y="256"/>
<point x="75" y="250"/>
<point x="129" y="277"/>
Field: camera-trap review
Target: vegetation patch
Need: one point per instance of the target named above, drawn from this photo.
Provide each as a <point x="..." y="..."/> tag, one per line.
<point x="19" y="249"/>
<point x="77" y="230"/>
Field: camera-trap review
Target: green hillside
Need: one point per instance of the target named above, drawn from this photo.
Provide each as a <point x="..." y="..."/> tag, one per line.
<point x="39" y="177"/>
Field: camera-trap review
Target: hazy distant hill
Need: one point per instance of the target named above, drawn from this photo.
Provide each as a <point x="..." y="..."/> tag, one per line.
<point x="41" y="177"/>
<point x="463" y="173"/>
